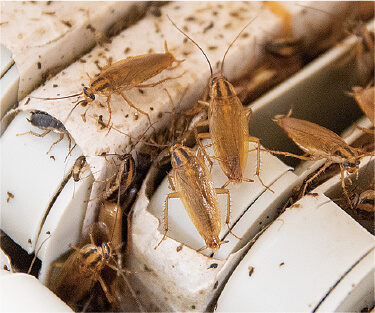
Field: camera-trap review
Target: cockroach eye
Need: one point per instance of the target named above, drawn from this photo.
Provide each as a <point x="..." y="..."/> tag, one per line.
<point x="346" y="163"/>
<point x="357" y="162"/>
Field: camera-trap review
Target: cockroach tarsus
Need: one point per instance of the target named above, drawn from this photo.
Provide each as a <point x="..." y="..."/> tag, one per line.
<point x="47" y="123"/>
<point x="228" y="124"/>
<point x="320" y="143"/>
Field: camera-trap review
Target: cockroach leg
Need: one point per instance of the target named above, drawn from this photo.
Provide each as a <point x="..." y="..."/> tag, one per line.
<point x="257" y="172"/>
<point x="169" y="196"/>
<point x="134" y="107"/>
<point x="224" y="191"/>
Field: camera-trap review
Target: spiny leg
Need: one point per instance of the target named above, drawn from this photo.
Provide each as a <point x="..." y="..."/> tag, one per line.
<point x="35" y="134"/>
<point x="105" y="289"/>
<point x="134" y="107"/>
<point x="199" y="136"/>
<point x="257" y="172"/>
<point x="227" y="220"/>
<point x="159" y="82"/>
<point x="322" y="169"/>
<point x="342" y="176"/>
<point x="56" y="142"/>
<point x="109" y="110"/>
<point x="169" y="196"/>
<point x="301" y="157"/>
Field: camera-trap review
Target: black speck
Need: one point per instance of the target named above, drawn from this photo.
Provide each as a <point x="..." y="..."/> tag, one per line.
<point x="251" y="270"/>
<point x="213" y="265"/>
<point x="208" y="27"/>
<point x="281" y="264"/>
<point x="39" y="65"/>
<point x="66" y="23"/>
<point x="193" y="307"/>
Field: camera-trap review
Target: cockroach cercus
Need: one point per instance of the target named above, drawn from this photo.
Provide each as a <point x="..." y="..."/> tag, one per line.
<point x="228" y="124"/>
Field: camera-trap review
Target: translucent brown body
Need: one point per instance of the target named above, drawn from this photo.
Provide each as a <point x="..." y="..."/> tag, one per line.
<point x="80" y="272"/>
<point x="127" y="74"/>
<point x="319" y="142"/>
<point x="130" y="72"/>
<point x="228" y="129"/>
<point x="111" y="215"/>
<point x="228" y="125"/>
<point x="195" y="188"/>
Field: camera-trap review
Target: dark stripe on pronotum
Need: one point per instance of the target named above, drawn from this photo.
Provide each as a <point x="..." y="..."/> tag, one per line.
<point x="218" y="90"/>
<point x="350" y="151"/>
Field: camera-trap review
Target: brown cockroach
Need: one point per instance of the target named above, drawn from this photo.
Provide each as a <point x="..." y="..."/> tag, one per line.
<point x="320" y="143"/>
<point x="228" y="123"/>
<point x="124" y="75"/>
<point x="80" y="272"/>
<point x="194" y="186"/>
<point x="124" y="176"/>
<point x="47" y="123"/>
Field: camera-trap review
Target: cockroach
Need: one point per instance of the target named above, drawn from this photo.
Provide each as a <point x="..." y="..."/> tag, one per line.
<point x="77" y="167"/>
<point x="320" y="143"/>
<point x="47" y="123"/>
<point x="228" y="123"/>
<point x="124" y="176"/>
<point x="194" y="186"/>
<point x="127" y="74"/>
<point x="80" y="272"/>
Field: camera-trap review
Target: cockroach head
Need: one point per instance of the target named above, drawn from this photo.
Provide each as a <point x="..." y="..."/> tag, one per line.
<point x="351" y="166"/>
<point x="89" y="94"/>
